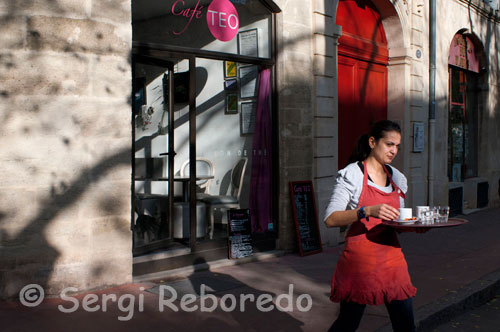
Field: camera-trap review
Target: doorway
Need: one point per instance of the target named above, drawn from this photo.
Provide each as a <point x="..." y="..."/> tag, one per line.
<point x="362" y="73"/>
<point x="163" y="106"/>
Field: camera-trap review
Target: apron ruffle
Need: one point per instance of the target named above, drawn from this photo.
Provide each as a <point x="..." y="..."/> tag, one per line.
<point x="375" y="292"/>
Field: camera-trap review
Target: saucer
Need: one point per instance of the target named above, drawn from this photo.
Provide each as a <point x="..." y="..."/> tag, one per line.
<point x="406" y="221"/>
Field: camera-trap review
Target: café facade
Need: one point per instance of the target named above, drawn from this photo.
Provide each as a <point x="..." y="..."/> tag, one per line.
<point x="131" y="128"/>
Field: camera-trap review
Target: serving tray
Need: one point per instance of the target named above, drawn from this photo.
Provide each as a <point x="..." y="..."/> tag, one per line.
<point x="417" y="224"/>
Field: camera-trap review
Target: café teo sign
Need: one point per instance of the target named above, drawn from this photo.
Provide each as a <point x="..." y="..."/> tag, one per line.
<point x="222" y="18"/>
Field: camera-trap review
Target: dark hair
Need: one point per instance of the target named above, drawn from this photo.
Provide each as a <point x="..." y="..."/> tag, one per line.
<point x="377" y="131"/>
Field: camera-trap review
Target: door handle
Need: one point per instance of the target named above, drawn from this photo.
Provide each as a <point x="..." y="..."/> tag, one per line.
<point x="173" y="153"/>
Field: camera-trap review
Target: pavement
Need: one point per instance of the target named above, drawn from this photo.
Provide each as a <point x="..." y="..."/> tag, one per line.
<point x="454" y="269"/>
<point x="483" y="318"/>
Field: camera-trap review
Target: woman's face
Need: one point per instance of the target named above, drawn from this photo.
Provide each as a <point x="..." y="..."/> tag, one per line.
<point x="386" y="148"/>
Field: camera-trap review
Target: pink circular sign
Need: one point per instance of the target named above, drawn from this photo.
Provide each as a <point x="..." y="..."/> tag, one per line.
<point x="222" y="19"/>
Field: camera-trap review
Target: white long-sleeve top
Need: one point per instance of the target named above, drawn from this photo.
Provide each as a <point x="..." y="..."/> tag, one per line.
<point x="349" y="184"/>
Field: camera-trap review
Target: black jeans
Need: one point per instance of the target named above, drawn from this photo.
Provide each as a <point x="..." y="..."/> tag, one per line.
<point x="400" y="312"/>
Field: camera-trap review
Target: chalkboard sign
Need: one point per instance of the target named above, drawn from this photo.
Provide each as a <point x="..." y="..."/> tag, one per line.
<point x="305" y="216"/>
<point x="239" y="237"/>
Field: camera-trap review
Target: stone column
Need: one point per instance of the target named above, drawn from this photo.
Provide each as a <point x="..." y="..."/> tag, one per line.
<point x="326" y="35"/>
<point x="295" y="85"/>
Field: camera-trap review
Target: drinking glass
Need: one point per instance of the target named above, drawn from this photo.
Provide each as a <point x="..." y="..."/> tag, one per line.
<point x="427" y="217"/>
<point x="420" y="210"/>
<point x="444" y="212"/>
<point x="435" y="213"/>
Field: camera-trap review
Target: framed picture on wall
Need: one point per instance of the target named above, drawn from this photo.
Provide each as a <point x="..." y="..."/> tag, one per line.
<point x="231" y="85"/>
<point x="231" y="103"/>
<point x="248" y="43"/>
<point x="247" y="121"/>
<point x="248" y="81"/>
<point x="229" y="69"/>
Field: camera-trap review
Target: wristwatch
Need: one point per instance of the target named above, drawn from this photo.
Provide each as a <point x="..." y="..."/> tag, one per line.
<point x="361" y="213"/>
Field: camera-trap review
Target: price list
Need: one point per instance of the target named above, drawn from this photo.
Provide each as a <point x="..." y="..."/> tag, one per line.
<point x="240" y="238"/>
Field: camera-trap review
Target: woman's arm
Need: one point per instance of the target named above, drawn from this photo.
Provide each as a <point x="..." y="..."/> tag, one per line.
<point x="342" y="218"/>
<point x="347" y="217"/>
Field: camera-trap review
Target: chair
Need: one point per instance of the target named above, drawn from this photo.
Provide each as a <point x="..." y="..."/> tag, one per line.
<point x="227" y="201"/>
<point x="203" y="167"/>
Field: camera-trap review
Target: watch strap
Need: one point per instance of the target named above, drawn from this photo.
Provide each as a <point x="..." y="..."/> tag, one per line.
<point x="362" y="214"/>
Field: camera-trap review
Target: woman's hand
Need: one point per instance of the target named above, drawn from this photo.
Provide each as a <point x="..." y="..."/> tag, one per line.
<point x="383" y="211"/>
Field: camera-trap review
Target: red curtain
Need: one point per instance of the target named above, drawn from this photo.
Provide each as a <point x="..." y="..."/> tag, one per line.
<point x="260" y="202"/>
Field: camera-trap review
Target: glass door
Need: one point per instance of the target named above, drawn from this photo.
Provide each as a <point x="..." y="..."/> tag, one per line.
<point x="161" y="140"/>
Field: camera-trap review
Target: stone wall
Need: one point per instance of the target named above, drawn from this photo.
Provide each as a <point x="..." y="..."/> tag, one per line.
<point x="65" y="206"/>
<point x="480" y="20"/>
<point x="296" y="105"/>
<point x="417" y="171"/>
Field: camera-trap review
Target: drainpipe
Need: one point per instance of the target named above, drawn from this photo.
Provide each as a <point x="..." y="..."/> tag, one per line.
<point x="432" y="98"/>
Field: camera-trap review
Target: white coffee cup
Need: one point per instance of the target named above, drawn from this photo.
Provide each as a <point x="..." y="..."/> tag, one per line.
<point x="420" y="210"/>
<point x="405" y="213"/>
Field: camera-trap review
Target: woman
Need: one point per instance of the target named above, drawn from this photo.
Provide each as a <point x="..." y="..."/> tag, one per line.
<point x="372" y="269"/>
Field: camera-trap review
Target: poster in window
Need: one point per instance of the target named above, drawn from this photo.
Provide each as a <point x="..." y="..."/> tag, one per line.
<point x="229" y="69"/>
<point x="247" y="122"/>
<point x="248" y="81"/>
<point x="231" y="103"/>
<point x="248" y="43"/>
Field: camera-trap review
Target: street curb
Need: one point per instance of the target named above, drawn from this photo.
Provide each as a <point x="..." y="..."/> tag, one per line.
<point x="456" y="302"/>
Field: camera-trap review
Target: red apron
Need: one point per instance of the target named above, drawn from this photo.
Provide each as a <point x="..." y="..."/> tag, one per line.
<point x="372" y="268"/>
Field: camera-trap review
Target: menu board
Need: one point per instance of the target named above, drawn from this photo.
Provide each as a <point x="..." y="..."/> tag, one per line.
<point x="239" y="237"/>
<point x="305" y="216"/>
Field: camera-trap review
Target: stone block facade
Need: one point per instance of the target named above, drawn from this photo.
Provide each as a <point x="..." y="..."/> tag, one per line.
<point x="65" y="193"/>
<point x="296" y="96"/>
<point x="65" y="204"/>
<point x="406" y="25"/>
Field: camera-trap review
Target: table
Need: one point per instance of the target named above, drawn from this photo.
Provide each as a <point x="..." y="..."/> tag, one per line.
<point x="185" y="181"/>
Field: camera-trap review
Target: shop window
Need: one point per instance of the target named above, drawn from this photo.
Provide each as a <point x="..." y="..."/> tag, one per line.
<point x="233" y="126"/>
<point x="464" y="64"/>
<point x="202" y="87"/>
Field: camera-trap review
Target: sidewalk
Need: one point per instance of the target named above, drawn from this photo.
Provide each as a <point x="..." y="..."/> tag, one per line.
<point x="452" y="268"/>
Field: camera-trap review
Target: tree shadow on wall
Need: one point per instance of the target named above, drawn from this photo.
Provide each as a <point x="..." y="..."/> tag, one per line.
<point x="39" y="255"/>
<point x="27" y="253"/>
